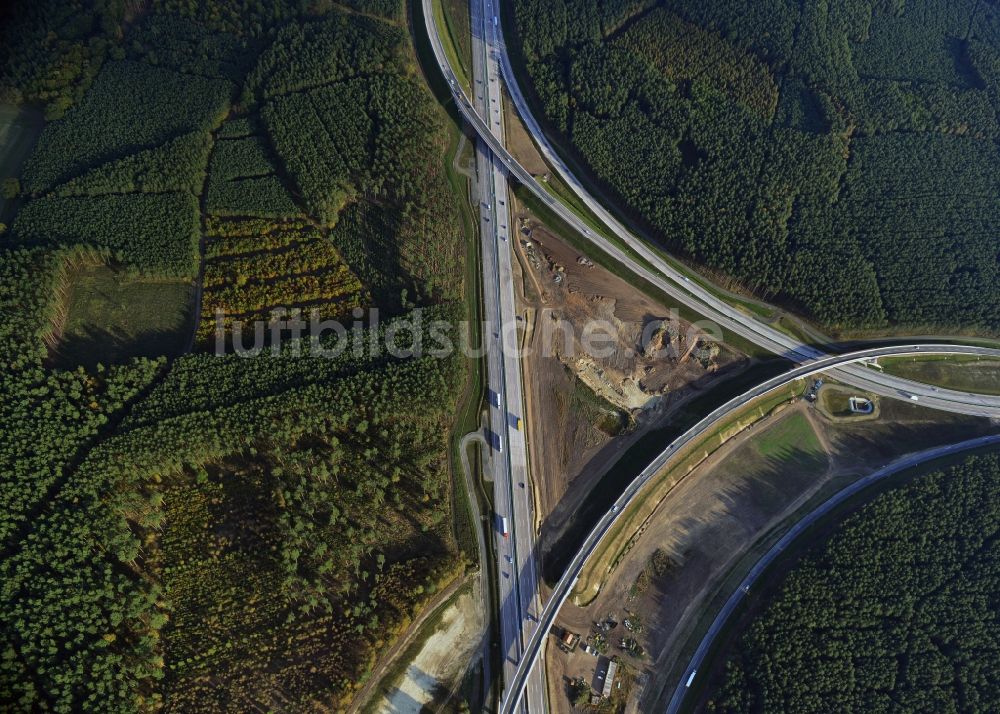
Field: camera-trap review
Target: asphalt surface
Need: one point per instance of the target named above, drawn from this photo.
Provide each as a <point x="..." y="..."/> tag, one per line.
<point x="483" y="584"/>
<point x="516" y="564"/>
<point x="484" y="114"/>
<point x="663" y="275"/>
<point x="698" y="658"/>
<point x="565" y="586"/>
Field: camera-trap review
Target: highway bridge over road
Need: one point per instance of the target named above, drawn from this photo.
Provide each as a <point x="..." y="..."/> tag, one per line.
<point x="483" y="112"/>
<point x="703" y="427"/>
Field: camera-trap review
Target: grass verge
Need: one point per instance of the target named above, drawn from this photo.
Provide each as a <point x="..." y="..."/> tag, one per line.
<point x="959" y="372"/>
<point x="453" y="16"/>
<point x="631" y="523"/>
<point x="773" y="576"/>
<point x="640" y="454"/>
<point x="470" y="404"/>
<point x="794" y="433"/>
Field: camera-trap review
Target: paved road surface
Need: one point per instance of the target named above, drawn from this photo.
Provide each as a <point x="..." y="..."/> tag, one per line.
<point x="662" y="274"/>
<point x="485" y="115"/>
<point x="710" y="422"/>
<point x="517" y="568"/>
<point x="698" y="658"/>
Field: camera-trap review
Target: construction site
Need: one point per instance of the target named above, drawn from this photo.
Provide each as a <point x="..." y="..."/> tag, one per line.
<point x="590" y="405"/>
<point x="708" y="527"/>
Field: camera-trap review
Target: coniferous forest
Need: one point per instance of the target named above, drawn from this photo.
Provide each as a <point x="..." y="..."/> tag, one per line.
<point x="895" y="612"/>
<point x="206" y="533"/>
<point x="838" y="157"/>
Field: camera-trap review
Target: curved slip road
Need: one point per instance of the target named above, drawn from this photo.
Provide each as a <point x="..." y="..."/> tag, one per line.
<point x="906" y="462"/>
<point x="562" y="590"/>
<point x="665" y="277"/>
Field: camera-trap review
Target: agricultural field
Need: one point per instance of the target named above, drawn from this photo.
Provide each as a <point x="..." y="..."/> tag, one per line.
<point x="19" y="130"/>
<point x="840" y="160"/>
<point x="192" y="532"/>
<point x="934" y="643"/>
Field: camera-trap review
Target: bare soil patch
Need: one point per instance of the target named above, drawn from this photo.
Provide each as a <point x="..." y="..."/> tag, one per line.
<point x="442" y="659"/>
<point x="586" y="409"/>
<point x="749" y="487"/>
<point x="519" y="141"/>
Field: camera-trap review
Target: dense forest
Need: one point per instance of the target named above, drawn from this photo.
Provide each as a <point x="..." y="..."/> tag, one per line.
<point x="895" y="612"/>
<point x="839" y="157"/>
<point x="220" y="533"/>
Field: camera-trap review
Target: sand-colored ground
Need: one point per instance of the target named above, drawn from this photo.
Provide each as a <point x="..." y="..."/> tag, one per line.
<point x="519" y="142"/>
<point x="711" y="519"/>
<point x="643" y="372"/>
<point x="442" y="660"/>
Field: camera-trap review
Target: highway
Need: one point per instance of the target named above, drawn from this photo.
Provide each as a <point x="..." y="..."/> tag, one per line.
<point x="565" y="586"/>
<point x="517" y="573"/>
<point x="662" y="275"/>
<point x="485" y="116"/>
<point x="698" y="658"/>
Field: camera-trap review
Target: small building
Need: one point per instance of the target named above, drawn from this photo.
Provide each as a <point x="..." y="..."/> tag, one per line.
<point x="604" y="676"/>
<point x="569" y="640"/>
<point x="860" y="405"/>
<point x="609" y="679"/>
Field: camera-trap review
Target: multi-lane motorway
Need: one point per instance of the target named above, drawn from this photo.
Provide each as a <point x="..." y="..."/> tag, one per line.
<point x="517" y="573"/>
<point x="518" y="586"/>
<point x="652" y="267"/>
<point x="565" y="586"/>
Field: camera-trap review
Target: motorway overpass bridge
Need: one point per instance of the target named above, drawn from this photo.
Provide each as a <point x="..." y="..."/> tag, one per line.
<point x="649" y="265"/>
<point x="640" y="259"/>
<point x="562" y="590"/>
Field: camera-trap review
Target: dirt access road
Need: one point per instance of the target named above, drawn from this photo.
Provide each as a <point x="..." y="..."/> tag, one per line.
<point x="716" y="514"/>
<point x="585" y="411"/>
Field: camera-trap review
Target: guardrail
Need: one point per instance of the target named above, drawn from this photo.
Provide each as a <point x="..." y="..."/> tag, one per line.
<point x="569" y="578"/>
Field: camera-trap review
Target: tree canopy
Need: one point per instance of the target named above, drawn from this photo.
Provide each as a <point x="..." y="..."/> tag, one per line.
<point x="839" y="157"/>
<point x="895" y="612"/>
